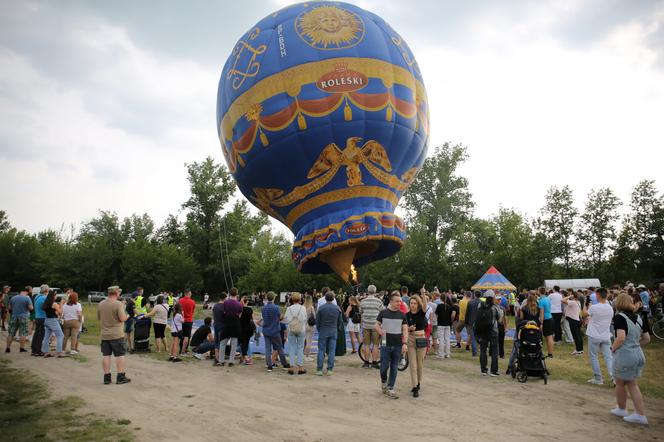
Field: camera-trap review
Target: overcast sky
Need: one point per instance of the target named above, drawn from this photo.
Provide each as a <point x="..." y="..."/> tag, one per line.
<point x="102" y="103"/>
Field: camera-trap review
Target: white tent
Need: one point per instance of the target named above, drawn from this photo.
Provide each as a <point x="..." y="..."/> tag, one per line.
<point x="572" y="283"/>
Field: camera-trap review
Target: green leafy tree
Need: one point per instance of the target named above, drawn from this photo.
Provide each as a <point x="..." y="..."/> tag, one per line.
<point x="558" y="222"/>
<point x="598" y="227"/>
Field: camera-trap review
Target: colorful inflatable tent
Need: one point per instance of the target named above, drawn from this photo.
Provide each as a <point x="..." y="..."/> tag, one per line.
<point x="493" y="280"/>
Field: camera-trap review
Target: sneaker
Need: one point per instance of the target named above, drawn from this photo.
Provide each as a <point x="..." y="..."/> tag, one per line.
<point x="319" y="372"/>
<point x="485" y="373"/>
<point x="595" y="381"/>
<point x="176" y="360"/>
<point x="375" y="365"/>
<point x="392" y="394"/>
<point x="286" y="367"/>
<point x="579" y="353"/>
<point x="269" y="369"/>
<point x="22" y="350"/>
<point x="216" y="363"/>
<point x="231" y="364"/>
<point x="73" y="352"/>
<point x="107" y="379"/>
<point x="574" y="353"/>
<point x="636" y="418"/>
<point x="416" y="392"/>
<point x="199" y="356"/>
<point x="448" y="356"/>
<point x="366" y="365"/>
<point x="383" y="388"/>
<point x="494" y="374"/>
<point x="620" y="412"/>
<point x="330" y="372"/>
<point x="7" y="350"/>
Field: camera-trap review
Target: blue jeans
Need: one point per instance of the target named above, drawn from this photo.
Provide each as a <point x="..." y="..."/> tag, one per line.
<point x="389" y="358"/>
<point x="327" y="343"/>
<point x="274" y="342"/>
<point x="595" y="346"/>
<point x="52" y="327"/>
<point x="473" y="339"/>
<point x="205" y="347"/>
<point x="296" y="349"/>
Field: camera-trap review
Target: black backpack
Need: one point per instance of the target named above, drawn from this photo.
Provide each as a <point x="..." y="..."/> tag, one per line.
<point x="484" y="320"/>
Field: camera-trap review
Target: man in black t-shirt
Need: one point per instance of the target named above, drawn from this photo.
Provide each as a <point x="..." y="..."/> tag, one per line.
<point x="392" y="326"/>
<point x="203" y="340"/>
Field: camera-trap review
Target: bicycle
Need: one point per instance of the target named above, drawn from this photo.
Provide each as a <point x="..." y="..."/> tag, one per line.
<point x="403" y="362"/>
<point x="658" y="325"/>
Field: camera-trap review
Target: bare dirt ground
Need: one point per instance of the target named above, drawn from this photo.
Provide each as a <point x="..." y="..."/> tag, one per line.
<point x="194" y="401"/>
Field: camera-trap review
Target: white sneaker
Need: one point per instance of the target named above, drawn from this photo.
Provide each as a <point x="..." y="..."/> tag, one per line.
<point x="73" y="352"/>
<point x="595" y="381"/>
<point x="620" y="412"/>
<point x="199" y="356"/>
<point x="440" y="357"/>
<point x="636" y="418"/>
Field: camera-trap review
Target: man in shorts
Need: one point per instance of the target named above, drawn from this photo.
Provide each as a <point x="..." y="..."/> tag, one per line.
<point x="20" y="307"/>
<point x="369" y="309"/>
<point x="112" y="315"/>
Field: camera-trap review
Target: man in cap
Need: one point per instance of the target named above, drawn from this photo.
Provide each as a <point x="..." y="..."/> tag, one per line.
<point x="20" y="307"/>
<point x="112" y="315"/>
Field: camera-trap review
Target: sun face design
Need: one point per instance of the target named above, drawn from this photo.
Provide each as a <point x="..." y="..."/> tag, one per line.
<point x="329" y="27"/>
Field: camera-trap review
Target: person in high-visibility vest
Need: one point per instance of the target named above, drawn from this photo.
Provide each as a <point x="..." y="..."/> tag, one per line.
<point x="140" y="308"/>
<point x="171" y="302"/>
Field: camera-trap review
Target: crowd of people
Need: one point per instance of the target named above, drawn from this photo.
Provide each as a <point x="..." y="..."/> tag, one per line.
<point x="389" y="325"/>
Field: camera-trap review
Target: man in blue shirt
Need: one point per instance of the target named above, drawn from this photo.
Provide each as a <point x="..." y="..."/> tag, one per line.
<point x="547" y="326"/>
<point x="328" y="320"/>
<point x="20" y="307"/>
<point x="40" y="317"/>
<point x="271" y="317"/>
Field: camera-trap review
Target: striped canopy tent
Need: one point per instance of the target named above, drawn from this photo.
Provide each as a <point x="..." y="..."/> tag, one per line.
<point x="493" y="280"/>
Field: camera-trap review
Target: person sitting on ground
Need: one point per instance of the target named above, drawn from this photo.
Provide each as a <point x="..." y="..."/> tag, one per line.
<point x="203" y="340"/>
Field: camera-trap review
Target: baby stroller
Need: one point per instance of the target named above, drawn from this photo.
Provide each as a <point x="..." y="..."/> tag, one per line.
<point x="142" y="335"/>
<point x="530" y="359"/>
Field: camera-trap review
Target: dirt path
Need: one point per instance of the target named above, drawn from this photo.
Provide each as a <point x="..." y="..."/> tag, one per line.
<point x="195" y="402"/>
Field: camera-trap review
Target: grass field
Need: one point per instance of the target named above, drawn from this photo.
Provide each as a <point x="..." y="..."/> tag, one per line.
<point x="28" y="413"/>
<point x="563" y="366"/>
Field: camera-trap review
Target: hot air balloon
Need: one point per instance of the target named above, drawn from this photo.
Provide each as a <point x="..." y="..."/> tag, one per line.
<point x="323" y="121"/>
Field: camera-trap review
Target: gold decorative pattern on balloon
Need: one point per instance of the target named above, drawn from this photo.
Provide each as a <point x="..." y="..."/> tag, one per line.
<point x="406" y="54"/>
<point x="371" y="155"/>
<point x="250" y="67"/>
<point x="329" y="27"/>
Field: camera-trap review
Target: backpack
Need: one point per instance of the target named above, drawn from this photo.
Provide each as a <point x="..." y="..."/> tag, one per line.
<point x="356" y="317"/>
<point x="484" y="320"/>
<point x="296" y="325"/>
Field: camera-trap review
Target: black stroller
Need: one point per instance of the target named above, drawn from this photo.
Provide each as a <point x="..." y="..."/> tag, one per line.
<point x="142" y="335"/>
<point x="530" y="360"/>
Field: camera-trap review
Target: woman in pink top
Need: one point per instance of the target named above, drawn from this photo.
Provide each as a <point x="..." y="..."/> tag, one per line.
<point x="572" y="314"/>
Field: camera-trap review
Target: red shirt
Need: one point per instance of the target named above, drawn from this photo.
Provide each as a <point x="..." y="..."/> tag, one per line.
<point x="188" y="307"/>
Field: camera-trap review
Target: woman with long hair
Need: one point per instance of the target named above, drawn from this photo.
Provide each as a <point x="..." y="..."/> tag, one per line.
<point x="446" y="315"/>
<point x="176" y="333"/>
<point x="529" y="312"/>
<point x="247" y="330"/>
<point x="573" y="317"/>
<point x="160" y="315"/>
<point x="417" y="342"/>
<point x="296" y="318"/>
<point x="631" y="332"/>
<point x="72" y="315"/>
<point x="354" y="320"/>
<point x="53" y="310"/>
<point x="309" y="335"/>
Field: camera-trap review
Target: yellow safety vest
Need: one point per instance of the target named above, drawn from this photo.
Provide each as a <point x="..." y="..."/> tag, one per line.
<point x="138" y="310"/>
<point x="170" y="301"/>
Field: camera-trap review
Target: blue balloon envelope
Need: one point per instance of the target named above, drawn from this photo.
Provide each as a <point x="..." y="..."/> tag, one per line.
<point x="323" y="121"/>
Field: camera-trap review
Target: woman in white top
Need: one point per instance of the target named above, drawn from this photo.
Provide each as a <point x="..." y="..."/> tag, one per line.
<point x="573" y="316"/>
<point x="311" y="312"/>
<point x="296" y="318"/>
<point x="160" y="315"/>
<point x="72" y="315"/>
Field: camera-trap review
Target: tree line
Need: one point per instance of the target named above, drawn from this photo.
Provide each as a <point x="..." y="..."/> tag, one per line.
<point x="214" y="241"/>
